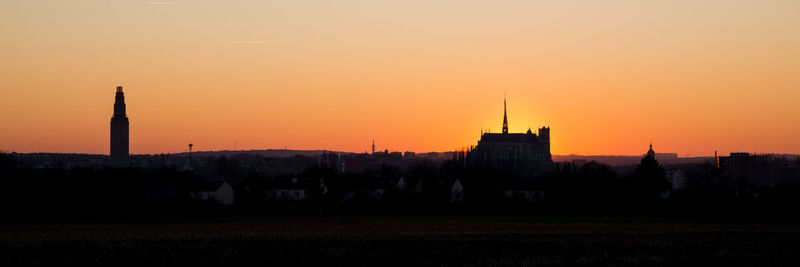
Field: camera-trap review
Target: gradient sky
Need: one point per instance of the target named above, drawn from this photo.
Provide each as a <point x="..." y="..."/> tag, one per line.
<point x="607" y="76"/>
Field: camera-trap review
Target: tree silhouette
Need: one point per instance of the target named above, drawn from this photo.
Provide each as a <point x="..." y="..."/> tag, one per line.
<point x="650" y="181"/>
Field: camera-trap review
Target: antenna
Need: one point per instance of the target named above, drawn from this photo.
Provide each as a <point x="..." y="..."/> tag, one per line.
<point x="190" y="153"/>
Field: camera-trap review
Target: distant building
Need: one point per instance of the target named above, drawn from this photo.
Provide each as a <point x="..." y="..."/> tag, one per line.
<point x="736" y="161"/>
<point x="522" y="153"/>
<point x="218" y="191"/>
<point x="456" y="191"/>
<point x="525" y="191"/>
<point x="678" y="179"/>
<point x="119" y="130"/>
<point x="290" y="190"/>
<point x="747" y="172"/>
<point x="384" y="153"/>
<point x="377" y="187"/>
<point x="332" y="161"/>
<point x="401" y="185"/>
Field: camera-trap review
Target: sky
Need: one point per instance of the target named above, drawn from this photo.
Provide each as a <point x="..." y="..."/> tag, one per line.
<point x="608" y="77"/>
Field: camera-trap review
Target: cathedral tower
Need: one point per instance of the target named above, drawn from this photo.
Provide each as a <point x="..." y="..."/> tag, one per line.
<point x="523" y="154"/>
<point x="119" y="130"/>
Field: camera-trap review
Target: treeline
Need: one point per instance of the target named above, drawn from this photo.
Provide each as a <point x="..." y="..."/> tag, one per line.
<point x="263" y="186"/>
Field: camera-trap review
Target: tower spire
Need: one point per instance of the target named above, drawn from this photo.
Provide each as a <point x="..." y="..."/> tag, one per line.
<point x="650" y="152"/>
<point x="505" y="116"/>
<point x="119" y="130"/>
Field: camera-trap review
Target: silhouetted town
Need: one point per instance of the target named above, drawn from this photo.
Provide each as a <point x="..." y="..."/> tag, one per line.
<point x="399" y="133"/>
<point x="503" y="172"/>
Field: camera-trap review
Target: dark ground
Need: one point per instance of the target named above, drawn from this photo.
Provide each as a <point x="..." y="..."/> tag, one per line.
<point x="404" y="240"/>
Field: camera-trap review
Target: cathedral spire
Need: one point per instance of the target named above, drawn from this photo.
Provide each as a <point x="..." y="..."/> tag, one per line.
<point x="505" y="117"/>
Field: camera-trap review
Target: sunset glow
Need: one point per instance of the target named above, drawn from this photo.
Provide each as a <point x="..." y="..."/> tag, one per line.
<point x="607" y="76"/>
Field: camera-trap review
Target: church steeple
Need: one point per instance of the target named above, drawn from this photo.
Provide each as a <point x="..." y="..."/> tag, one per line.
<point x="505" y="117"/>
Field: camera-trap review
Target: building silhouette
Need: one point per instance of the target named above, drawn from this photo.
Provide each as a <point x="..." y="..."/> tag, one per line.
<point x="332" y="161"/>
<point x="119" y="130"/>
<point x="524" y="154"/>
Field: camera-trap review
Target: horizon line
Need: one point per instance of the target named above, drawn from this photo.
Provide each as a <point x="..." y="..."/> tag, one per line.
<point x="678" y="155"/>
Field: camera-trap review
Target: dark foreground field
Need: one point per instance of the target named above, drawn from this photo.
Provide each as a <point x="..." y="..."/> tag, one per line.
<point x="359" y="241"/>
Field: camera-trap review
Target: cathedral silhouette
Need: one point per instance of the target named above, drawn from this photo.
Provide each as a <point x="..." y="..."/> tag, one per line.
<point x="524" y="154"/>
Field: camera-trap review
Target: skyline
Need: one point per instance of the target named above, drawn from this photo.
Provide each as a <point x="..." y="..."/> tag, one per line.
<point x="607" y="78"/>
<point x="119" y="112"/>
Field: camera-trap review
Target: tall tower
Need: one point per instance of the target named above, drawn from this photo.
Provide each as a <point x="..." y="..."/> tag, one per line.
<point x="505" y="117"/>
<point x="119" y="130"/>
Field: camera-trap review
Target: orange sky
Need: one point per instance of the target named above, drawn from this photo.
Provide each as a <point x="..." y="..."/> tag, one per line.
<point x="607" y="76"/>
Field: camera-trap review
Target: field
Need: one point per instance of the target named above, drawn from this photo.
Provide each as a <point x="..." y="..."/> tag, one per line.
<point x="394" y="241"/>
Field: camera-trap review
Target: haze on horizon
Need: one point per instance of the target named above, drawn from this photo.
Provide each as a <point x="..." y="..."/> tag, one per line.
<point x="607" y="76"/>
